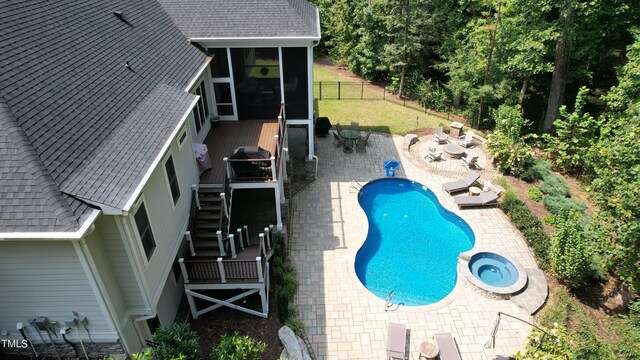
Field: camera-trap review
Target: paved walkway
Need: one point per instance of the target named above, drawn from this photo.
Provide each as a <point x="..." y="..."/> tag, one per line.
<point x="344" y="320"/>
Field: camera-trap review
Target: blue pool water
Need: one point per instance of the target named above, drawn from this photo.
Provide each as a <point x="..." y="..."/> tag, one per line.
<point x="493" y="269"/>
<point x="412" y="245"/>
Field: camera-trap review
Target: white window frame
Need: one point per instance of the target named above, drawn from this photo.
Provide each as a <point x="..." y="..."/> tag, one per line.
<point x="136" y="232"/>
<point x="167" y="180"/>
<point x="184" y="132"/>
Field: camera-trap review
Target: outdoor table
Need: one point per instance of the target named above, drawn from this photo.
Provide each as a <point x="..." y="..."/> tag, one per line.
<point x="474" y="191"/>
<point x="429" y="350"/>
<point x="351" y="135"/>
<point x="455" y="151"/>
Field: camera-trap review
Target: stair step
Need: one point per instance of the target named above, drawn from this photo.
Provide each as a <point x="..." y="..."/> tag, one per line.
<point x="205" y="244"/>
<point x="204" y="226"/>
<point x="210" y="208"/>
<point x="208" y="217"/>
<point x="210" y="191"/>
<point x="205" y="253"/>
<point x="206" y="235"/>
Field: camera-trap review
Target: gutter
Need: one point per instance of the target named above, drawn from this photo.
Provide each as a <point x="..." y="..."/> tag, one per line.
<point x="39" y="236"/>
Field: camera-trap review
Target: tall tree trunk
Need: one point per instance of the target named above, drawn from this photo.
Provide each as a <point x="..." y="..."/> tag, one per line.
<point x="404" y="48"/>
<point x="560" y="72"/>
<point x="457" y="99"/>
<point x="523" y="91"/>
<point x="492" y="44"/>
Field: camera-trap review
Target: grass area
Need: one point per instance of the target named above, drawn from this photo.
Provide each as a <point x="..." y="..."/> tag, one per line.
<point x="379" y="115"/>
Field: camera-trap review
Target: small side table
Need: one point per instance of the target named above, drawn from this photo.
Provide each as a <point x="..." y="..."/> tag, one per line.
<point x="429" y="350"/>
<point x="474" y="191"/>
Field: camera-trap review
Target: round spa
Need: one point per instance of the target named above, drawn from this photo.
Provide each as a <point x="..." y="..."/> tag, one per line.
<point x="493" y="273"/>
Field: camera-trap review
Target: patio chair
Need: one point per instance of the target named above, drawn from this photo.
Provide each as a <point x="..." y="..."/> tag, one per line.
<point x="466" y="140"/>
<point x="470" y="162"/>
<point x="338" y="128"/>
<point x="396" y="341"/>
<point x="355" y="126"/>
<point x="434" y="155"/>
<point x="462" y="184"/>
<point x="362" y="142"/>
<point x="447" y="346"/>
<point x="440" y="137"/>
<point x="337" y="139"/>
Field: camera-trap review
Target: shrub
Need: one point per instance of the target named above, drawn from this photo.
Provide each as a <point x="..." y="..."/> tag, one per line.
<point x="296" y="324"/>
<point x="510" y="157"/>
<point x="534" y="193"/>
<point x="554" y="185"/>
<point x="570" y="256"/>
<point x="556" y="347"/>
<point x="236" y="347"/>
<point x="176" y="341"/>
<point x="541" y="169"/>
<point x="556" y="204"/>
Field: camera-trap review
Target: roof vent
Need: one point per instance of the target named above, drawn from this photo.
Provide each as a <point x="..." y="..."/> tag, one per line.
<point x="128" y="66"/>
<point x="119" y="15"/>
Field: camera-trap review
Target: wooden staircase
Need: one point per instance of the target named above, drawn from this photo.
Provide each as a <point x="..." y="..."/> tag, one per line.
<point x="209" y="221"/>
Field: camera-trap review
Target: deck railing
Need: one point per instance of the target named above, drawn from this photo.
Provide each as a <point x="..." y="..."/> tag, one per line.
<point x="222" y="270"/>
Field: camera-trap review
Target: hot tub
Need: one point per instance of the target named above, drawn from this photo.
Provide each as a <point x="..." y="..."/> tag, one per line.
<point x="495" y="274"/>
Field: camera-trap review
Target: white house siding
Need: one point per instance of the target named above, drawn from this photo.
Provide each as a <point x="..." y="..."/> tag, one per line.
<point x="168" y="223"/>
<point x="46" y="278"/>
<point x="169" y="300"/>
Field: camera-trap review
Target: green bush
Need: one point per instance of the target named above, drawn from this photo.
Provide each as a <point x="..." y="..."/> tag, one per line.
<point x="176" y="341"/>
<point x="511" y="157"/>
<point x="554" y="185"/>
<point x="529" y="225"/>
<point x="570" y="256"/>
<point x="556" y="204"/>
<point x="236" y="347"/>
<point x="296" y="324"/>
<point x="285" y="280"/>
<point x="558" y="346"/>
<point x="541" y="169"/>
<point x="534" y="193"/>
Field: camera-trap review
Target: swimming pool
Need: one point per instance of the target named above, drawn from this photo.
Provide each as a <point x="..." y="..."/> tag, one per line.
<point x="412" y="244"/>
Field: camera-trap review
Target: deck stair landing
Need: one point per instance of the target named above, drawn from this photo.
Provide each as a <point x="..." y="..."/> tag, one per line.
<point x="209" y="221"/>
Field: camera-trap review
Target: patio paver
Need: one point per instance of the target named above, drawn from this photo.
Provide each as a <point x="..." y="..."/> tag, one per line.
<point x="344" y="320"/>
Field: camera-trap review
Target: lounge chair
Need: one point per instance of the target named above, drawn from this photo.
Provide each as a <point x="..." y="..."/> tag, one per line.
<point x="355" y="126"/>
<point x="488" y="198"/>
<point x="470" y="163"/>
<point x="440" y="137"/>
<point x="434" y="155"/>
<point x="337" y="139"/>
<point x="363" y="141"/>
<point x="447" y="346"/>
<point x="466" y="140"/>
<point x="462" y="184"/>
<point x="396" y="341"/>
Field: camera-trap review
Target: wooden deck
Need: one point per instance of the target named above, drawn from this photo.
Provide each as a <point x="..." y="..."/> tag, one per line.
<point x="229" y="135"/>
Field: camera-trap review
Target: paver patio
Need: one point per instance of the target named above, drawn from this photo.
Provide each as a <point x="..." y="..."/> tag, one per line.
<point x="345" y="321"/>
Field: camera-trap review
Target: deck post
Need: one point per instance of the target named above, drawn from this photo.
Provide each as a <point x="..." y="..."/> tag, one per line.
<point x="192" y="304"/>
<point x="227" y="171"/>
<point x="224" y="205"/>
<point x="183" y="268"/>
<point x="221" y="243"/>
<point x="194" y="189"/>
<point x="262" y="243"/>
<point x="259" y="265"/>
<point x="278" y="210"/>
<point x="273" y="168"/>
<point x="246" y="234"/>
<point x="311" y="140"/>
<point x="223" y="274"/>
<point x="187" y="235"/>
<point x="239" y="232"/>
<point x="268" y="243"/>
<point x="283" y="163"/>
<point x="232" y="242"/>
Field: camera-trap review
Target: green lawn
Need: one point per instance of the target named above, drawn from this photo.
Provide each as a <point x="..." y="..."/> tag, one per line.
<point x="379" y="115"/>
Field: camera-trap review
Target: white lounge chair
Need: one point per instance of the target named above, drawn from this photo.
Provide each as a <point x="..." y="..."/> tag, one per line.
<point x="466" y="140"/>
<point x="462" y="184"/>
<point x="440" y="137"/>
<point x="396" y="341"/>
<point x="447" y="346"/>
<point x="434" y="155"/>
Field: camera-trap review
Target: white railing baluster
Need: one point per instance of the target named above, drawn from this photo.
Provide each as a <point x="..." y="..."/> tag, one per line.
<point x="232" y="242"/>
<point x="273" y="168"/>
<point x="259" y="265"/>
<point x="223" y="274"/>
<point x="183" y="268"/>
<point x="187" y="235"/>
<point x="221" y="243"/>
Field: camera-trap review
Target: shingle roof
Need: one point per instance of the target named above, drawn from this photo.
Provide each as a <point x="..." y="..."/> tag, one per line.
<point x="128" y="153"/>
<point x="65" y="85"/>
<point x="244" y="18"/>
<point x="31" y="201"/>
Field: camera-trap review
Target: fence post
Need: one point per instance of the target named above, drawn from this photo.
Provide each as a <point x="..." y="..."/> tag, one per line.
<point x="384" y="93"/>
<point x="223" y="274"/>
<point x="183" y="268"/>
<point x="362" y="90"/>
<point x="320" y="89"/>
<point x="338" y="90"/>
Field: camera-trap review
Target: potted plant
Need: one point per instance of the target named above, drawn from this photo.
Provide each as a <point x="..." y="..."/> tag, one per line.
<point x="215" y="120"/>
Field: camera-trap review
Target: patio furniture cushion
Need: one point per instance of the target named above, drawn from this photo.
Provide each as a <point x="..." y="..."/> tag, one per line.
<point x="462" y="184"/>
<point x="485" y="199"/>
